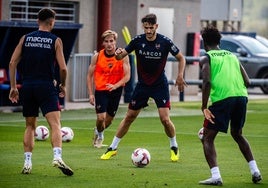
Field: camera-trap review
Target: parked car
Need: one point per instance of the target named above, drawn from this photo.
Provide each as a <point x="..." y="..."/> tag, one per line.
<point x="263" y="40"/>
<point x="252" y="54"/>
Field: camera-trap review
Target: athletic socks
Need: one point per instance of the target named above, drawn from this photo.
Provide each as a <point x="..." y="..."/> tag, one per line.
<point x="28" y="157"/>
<point x="253" y="167"/>
<point x="100" y="135"/>
<point x="57" y="152"/>
<point x="115" y="142"/>
<point x="173" y="142"/>
<point x="215" y="172"/>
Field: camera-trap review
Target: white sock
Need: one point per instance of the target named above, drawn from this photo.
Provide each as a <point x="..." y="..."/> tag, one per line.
<point x="95" y="131"/>
<point x="101" y="135"/>
<point x="115" y="142"/>
<point x="28" y="157"/>
<point x="215" y="172"/>
<point x="57" y="152"/>
<point x="253" y="167"/>
<point x="173" y="142"/>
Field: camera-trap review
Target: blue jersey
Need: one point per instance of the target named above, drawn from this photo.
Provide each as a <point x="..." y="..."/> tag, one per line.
<point x="151" y="57"/>
<point x="38" y="56"/>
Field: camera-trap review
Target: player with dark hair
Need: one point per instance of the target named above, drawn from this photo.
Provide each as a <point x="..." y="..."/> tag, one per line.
<point x="225" y="83"/>
<point x="37" y="52"/>
<point x="109" y="76"/>
<point x="152" y="50"/>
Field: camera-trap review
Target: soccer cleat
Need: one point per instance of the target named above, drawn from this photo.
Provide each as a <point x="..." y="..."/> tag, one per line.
<point x="27" y="168"/>
<point x="98" y="143"/>
<point x="211" y="181"/>
<point x="108" y="154"/>
<point x="174" y="154"/>
<point x="63" y="167"/>
<point x="256" y="177"/>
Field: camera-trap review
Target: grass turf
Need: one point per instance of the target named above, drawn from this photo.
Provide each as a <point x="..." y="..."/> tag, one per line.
<point x="147" y="132"/>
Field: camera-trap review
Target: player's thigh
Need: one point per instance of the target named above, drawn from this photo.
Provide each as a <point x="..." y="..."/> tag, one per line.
<point x="238" y="115"/>
<point x="29" y="103"/>
<point x="139" y="97"/>
<point x="221" y="111"/>
<point x="114" y="98"/>
<point x="101" y="101"/>
<point x="48" y="97"/>
<point x="161" y="96"/>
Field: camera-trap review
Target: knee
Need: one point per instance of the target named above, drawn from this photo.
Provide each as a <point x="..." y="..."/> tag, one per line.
<point x="165" y="121"/>
<point x="108" y="123"/>
<point x="236" y="135"/>
<point x="130" y="118"/>
<point x="100" y="119"/>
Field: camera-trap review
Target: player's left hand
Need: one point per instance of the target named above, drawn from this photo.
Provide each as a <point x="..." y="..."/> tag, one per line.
<point x="180" y="83"/>
<point x="111" y="87"/>
<point x="62" y="91"/>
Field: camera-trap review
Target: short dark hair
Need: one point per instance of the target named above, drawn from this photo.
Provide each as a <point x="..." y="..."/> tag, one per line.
<point x="150" y="18"/>
<point x="211" y="35"/>
<point x="46" y="13"/>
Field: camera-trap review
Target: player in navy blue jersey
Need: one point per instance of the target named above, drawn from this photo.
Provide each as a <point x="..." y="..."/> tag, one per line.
<point x="38" y="52"/>
<point x="151" y="50"/>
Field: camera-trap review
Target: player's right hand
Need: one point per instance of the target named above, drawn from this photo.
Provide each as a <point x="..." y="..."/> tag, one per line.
<point x="14" y="95"/>
<point x="92" y="100"/>
<point x="118" y="51"/>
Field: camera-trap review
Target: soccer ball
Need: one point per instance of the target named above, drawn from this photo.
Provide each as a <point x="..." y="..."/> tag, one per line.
<point x="41" y="133"/>
<point x="140" y="157"/>
<point x="67" y="134"/>
<point x="200" y="133"/>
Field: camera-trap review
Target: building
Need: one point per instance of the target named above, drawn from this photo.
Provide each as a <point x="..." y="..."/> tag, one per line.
<point x="178" y="19"/>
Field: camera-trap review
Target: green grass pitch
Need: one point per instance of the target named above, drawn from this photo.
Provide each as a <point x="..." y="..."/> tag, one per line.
<point x="147" y="132"/>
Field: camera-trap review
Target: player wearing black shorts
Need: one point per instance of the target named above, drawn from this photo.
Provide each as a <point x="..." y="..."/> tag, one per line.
<point x="105" y="81"/>
<point x="225" y="83"/>
<point x="151" y="50"/>
<point x="37" y="53"/>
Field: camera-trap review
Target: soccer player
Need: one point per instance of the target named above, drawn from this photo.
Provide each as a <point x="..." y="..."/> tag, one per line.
<point x="151" y="50"/>
<point x="225" y="82"/>
<point x="109" y="76"/>
<point x="37" y="52"/>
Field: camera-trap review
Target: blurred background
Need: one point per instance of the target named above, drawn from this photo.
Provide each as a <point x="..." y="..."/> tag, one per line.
<point x="80" y="24"/>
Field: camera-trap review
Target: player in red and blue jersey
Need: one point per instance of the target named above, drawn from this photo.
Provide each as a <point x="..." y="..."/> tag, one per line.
<point x="152" y="50"/>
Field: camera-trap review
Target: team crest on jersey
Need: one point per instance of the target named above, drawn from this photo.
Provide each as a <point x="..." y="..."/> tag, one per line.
<point x="143" y="45"/>
<point x="110" y="65"/>
<point x="157" y="46"/>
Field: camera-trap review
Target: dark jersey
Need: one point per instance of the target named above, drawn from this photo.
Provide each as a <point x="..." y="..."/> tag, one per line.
<point x="38" y="56"/>
<point x="152" y="57"/>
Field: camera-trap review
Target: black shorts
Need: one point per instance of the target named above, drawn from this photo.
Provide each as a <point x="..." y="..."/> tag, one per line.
<point x="108" y="101"/>
<point x="142" y="93"/>
<point x="41" y="94"/>
<point x="232" y="109"/>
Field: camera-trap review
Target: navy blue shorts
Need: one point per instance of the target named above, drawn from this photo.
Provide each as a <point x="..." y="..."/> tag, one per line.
<point x="142" y="93"/>
<point x="41" y="94"/>
<point x="108" y="101"/>
<point x="231" y="110"/>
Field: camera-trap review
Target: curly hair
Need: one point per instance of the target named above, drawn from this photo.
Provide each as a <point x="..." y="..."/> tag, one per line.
<point x="211" y="35"/>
